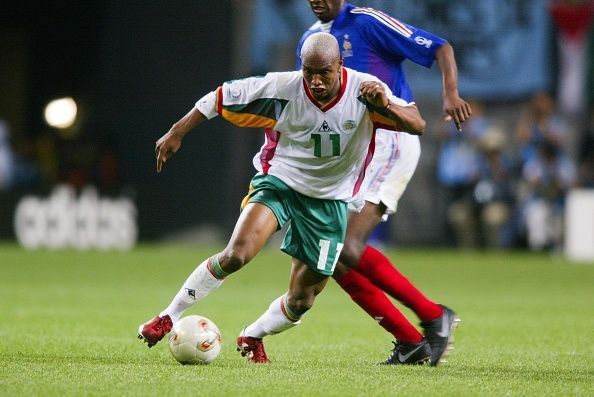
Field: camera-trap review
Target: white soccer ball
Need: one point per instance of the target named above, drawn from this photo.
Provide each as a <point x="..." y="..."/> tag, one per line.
<point x="195" y="340"/>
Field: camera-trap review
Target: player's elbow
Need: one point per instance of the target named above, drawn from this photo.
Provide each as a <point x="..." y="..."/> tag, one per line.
<point x="422" y="125"/>
<point x="417" y="127"/>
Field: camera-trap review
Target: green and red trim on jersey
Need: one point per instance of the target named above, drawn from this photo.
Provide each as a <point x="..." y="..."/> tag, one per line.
<point x="261" y="112"/>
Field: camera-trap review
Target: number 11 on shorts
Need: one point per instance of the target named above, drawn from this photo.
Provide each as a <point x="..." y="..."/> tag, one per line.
<point x="324" y="250"/>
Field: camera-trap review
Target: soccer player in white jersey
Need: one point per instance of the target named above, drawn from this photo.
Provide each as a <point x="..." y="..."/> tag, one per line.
<point x="376" y="43"/>
<point x="324" y="118"/>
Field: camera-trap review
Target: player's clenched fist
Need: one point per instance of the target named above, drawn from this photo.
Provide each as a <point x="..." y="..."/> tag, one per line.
<point x="374" y="93"/>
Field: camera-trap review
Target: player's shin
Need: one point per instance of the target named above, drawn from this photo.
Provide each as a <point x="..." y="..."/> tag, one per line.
<point x="206" y="278"/>
<point x="276" y="319"/>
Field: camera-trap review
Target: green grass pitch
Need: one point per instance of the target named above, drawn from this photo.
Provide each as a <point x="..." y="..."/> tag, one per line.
<point x="68" y="324"/>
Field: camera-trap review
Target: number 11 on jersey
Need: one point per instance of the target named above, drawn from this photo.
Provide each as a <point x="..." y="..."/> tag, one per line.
<point x="324" y="251"/>
<point x="334" y="139"/>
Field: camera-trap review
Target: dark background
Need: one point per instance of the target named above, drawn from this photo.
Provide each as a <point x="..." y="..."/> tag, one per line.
<point x="134" y="68"/>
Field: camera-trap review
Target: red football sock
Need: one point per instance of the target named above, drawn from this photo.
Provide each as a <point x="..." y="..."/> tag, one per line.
<point x="378" y="306"/>
<point x="379" y="270"/>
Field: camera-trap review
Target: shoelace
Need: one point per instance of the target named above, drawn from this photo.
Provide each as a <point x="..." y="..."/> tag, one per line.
<point x="162" y="326"/>
<point x="165" y="323"/>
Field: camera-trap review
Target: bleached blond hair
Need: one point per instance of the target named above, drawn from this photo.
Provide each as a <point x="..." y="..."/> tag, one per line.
<point x="320" y="44"/>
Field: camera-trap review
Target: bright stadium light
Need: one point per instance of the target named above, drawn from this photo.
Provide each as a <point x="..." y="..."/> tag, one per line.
<point x="61" y="113"/>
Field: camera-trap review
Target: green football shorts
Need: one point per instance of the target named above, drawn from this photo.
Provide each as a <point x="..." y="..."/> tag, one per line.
<point x="317" y="230"/>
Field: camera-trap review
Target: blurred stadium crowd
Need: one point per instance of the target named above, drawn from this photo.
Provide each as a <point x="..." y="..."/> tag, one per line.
<point x="502" y="182"/>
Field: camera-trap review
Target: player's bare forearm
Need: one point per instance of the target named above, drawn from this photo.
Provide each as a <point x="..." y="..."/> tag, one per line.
<point x="449" y="70"/>
<point x="170" y="142"/>
<point x="454" y="107"/>
<point x="408" y="118"/>
<point x="192" y="119"/>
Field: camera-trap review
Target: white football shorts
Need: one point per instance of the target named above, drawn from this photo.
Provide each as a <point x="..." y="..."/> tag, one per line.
<point x="392" y="167"/>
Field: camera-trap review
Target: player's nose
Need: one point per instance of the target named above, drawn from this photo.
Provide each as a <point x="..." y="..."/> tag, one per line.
<point x="316" y="81"/>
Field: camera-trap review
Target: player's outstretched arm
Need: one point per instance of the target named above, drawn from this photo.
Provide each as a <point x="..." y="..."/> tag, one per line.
<point x="454" y="107"/>
<point x="170" y="143"/>
<point x="406" y="118"/>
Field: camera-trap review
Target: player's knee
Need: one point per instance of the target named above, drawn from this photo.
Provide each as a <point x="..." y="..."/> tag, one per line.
<point x="233" y="259"/>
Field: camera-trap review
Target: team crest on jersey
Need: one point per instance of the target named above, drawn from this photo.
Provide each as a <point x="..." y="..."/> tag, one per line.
<point x="347" y="47"/>
<point x="325" y="127"/>
<point x="348" y="125"/>
<point x="235" y="93"/>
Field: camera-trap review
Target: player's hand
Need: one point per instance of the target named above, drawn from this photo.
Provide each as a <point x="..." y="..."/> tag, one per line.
<point x="166" y="147"/>
<point x="374" y="93"/>
<point x="457" y="109"/>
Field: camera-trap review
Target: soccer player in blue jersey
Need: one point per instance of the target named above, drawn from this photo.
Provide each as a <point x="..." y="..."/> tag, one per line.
<point x="374" y="42"/>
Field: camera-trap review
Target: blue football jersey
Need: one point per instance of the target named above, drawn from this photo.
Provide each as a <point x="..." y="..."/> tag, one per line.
<point x="375" y="43"/>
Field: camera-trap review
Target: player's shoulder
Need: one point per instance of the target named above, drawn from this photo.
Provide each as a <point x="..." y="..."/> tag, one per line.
<point x="355" y="78"/>
<point x="279" y="82"/>
<point x="288" y="77"/>
<point x="277" y="77"/>
<point x="287" y="83"/>
<point x="366" y="13"/>
<point x="359" y="77"/>
<point x="367" y="17"/>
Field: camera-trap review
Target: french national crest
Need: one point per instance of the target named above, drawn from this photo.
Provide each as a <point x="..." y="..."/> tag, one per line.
<point x="347" y="47"/>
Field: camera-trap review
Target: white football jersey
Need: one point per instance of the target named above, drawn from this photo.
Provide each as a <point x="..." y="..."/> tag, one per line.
<point x="320" y="151"/>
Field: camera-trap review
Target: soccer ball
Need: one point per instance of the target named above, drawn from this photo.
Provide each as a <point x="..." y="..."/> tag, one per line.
<point x="195" y="340"/>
